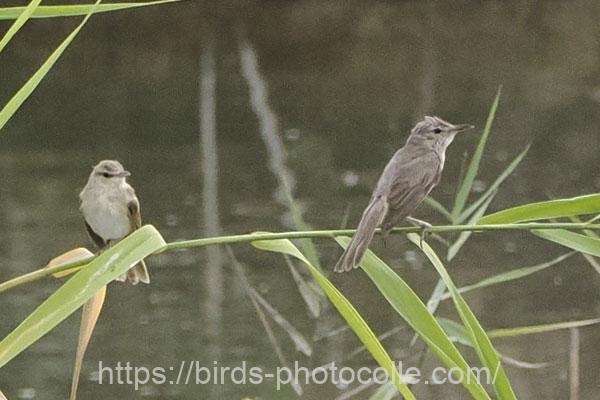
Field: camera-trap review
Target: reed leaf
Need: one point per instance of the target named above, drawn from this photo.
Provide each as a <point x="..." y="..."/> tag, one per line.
<point x="464" y="236"/>
<point x="19" y="22"/>
<point x="511" y="275"/>
<point x="576" y="241"/>
<point x="492" y="190"/>
<point x="482" y="344"/>
<point x="346" y="309"/>
<point x="25" y="91"/>
<point x="80" y="288"/>
<point x="465" y="187"/>
<point x="436" y="205"/>
<point x="71" y="10"/>
<point x="406" y="303"/>
<point x="581" y="205"/>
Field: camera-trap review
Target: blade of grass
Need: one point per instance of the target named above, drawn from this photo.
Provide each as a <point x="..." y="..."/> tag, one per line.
<point x="252" y="294"/>
<point x="591" y="260"/>
<point x="72" y="10"/>
<point x="404" y="300"/>
<point x="535" y="329"/>
<point x="311" y="295"/>
<point x="25" y="91"/>
<point x="581" y="205"/>
<point x="80" y="288"/>
<point x="511" y="275"/>
<point x="387" y="391"/>
<point x="299" y="340"/>
<point x="89" y="317"/>
<point x="19" y="22"/>
<point x="346" y="309"/>
<point x="492" y="190"/>
<point x="458" y="333"/>
<point x="456" y="330"/>
<point x="576" y="241"/>
<point x="482" y="344"/>
<point x="465" y="188"/>
<point x="464" y="236"/>
<point x="436" y="205"/>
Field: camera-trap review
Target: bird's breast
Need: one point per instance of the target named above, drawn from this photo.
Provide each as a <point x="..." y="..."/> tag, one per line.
<point x="106" y="215"/>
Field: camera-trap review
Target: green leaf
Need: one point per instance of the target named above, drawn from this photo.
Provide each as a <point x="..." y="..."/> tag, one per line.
<point x="75" y="9"/>
<point x="464" y="236"/>
<point x="582" y="205"/>
<point x="300" y="342"/>
<point x="456" y="331"/>
<point x="465" y="188"/>
<point x="80" y="288"/>
<point x="387" y="391"/>
<point x="404" y="300"/>
<point x="20" y="21"/>
<point x="511" y="275"/>
<point x="576" y="241"/>
<point x="346" y="309"/>
<point x="436" y="205"/>
<point x="22" y="94"/>
<point x="312" y="296"/>
<point x="491" y="191"/>
<point x="482" y="344"/>
<point x="534" y="329"/>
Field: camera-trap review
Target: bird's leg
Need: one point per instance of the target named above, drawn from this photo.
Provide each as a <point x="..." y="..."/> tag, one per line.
<point x="425" y="226"/>
<point x="385" y="234"/>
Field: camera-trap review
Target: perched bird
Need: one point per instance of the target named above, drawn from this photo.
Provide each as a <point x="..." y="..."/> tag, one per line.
<point x="112" y="211"/>
<point x="407" y="179"/>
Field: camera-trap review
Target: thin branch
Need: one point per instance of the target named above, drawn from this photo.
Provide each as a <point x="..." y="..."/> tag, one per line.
<point x="250" y="237"/>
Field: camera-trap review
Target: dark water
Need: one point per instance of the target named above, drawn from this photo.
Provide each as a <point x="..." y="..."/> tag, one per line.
<point x="215" y="108"/>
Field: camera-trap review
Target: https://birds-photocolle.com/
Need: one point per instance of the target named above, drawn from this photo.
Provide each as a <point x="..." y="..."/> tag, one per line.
<point x="112" y="211"/>
<point x="407" y="179"/>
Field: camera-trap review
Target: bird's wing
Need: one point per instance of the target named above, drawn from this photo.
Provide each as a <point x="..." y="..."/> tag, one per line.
<point x="98" y="241"/>
<point x="409" y="183"/>
<point x="139" y="273"/>
<point x="135" y="217"/>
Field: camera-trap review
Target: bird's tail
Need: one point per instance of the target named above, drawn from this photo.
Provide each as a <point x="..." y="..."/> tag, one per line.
<point x="136" y="274"/>
<point x="370" y="220"/>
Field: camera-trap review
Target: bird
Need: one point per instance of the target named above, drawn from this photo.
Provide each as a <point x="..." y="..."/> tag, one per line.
<point x="409" y="176"/>
<point x="111" y="211"/>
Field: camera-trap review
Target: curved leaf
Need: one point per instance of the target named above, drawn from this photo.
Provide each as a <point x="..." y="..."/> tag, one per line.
<point x="576" y="241"/>
<point x="465" y="187"/>
<point x="406" y="303"/>
<point x="25" y="91"/>
<point x="80" y="288"/>
<point x="345" y="308"/>
<point x="20" y="21"/>
<point x="582" y="205"/>
<point x="482" y="344"/>
<point x="72" y="10"/>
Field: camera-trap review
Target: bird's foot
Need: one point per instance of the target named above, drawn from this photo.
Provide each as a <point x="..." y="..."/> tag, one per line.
<point x="425" y="227"/>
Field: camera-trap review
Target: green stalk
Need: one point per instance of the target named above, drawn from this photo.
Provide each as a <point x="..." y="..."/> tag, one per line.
<point x="250" y="237"/>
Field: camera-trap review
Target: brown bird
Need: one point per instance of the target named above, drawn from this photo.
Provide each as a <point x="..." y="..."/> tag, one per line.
<point x="407" y="179"/>
<point x="112" y="211"/>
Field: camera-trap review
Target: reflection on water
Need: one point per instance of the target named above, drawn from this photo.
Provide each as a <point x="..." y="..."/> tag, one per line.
<point x="310" y="91"/>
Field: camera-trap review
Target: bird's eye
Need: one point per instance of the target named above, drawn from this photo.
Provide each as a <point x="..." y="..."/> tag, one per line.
<point x="106" y="175"/>
<point x="437" y="130"/>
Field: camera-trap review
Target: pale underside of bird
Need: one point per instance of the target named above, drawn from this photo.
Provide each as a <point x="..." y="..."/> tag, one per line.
<point x="409" y="176"/>
<point x="112" y="211"/>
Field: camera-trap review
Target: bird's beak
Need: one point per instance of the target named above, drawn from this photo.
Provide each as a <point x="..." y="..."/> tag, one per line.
<point x="462" y="127"/>
<point x="123" y="174"/>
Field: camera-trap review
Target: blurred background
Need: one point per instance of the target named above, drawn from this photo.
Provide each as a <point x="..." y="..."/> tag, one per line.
<point x="221" y="110"/>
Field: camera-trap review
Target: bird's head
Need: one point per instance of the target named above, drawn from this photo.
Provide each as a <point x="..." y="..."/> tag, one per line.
<point x="436" y="132"/>
<point x="109" y="173"/>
